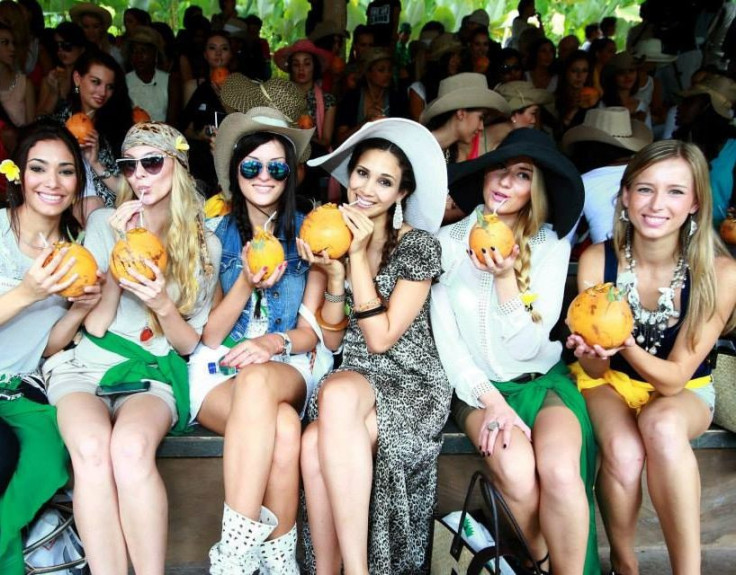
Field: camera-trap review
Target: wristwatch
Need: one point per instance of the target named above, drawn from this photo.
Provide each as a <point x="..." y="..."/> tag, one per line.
<point x="287" y="344"/>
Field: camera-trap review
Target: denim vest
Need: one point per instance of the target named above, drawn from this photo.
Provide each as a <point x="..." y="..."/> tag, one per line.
<point x="284" y="298"/>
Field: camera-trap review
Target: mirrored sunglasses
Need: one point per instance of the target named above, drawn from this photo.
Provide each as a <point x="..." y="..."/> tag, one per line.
<point x="152" y="164"/>
<point x="277" y="169"/>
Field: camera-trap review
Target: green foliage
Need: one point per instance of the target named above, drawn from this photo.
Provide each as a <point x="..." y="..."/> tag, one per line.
<point x="283" y="20"/>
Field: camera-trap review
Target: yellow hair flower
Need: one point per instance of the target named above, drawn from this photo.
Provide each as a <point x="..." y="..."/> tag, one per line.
<point x="10" y="170"/>
<point x="528" y="299"/>
<point x="181" y="144"/>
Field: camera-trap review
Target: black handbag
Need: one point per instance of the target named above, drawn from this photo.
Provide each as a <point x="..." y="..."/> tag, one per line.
<point x="451" y="555"/>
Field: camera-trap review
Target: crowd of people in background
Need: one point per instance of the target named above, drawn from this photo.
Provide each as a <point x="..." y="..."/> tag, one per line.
<point x="334" y="376"/>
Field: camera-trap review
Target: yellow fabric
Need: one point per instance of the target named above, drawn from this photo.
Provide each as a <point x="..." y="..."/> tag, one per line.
<point x="636" y="393"/>
<point x="215" y="206"/>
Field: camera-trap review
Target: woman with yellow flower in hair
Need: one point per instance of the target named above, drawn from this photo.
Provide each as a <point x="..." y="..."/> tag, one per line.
<point x="45" y="180"/>
<point x="491" y="315"/>
<point x="125" y="385"/>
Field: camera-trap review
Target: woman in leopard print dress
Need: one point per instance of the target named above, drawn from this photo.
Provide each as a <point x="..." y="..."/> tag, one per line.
<point x="369" y="460"/>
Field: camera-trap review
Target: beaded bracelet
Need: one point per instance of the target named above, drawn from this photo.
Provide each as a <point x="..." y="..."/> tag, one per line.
<point x="370" y="312"/>
<point x="333" y="298"/>
<point x="330" y="326"/>
<point x="369" y="305"/>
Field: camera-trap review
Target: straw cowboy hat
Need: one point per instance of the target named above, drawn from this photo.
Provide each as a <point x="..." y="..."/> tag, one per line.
<point x="82" y="9"/>
<point x="425" y="208"/>
<point x="370" y="56"/>
<point x="612" y="126"/>
<point x="443" y="44"/>
<point x="149" y="36"/>
<point x="281" y="57"/>
<point x="239" y="94"/>
<point x="464" y="91"/>
<point x="650" y="50"/>
<point x="565" y="192"/>
<point x="720" y="89"/>
<point x="259" y="119"/>
<point x="522" y="94"/>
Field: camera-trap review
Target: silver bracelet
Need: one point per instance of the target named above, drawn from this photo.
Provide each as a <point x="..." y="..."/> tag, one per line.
<point x="332" y="298"/>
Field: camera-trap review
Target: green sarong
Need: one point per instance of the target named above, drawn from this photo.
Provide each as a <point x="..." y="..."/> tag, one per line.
<point x="42" y="470"/>
<point x="527" y="398"/>
<point x="142" y="364"/>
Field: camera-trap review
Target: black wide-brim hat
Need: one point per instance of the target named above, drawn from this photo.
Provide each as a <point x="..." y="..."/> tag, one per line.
<point x="565" y="192"/>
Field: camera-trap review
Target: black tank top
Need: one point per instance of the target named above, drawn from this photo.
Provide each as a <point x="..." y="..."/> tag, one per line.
<point x="610" y="273"/>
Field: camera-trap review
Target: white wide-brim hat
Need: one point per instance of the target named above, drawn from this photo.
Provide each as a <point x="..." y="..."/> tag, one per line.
<point x="612" y="126"/>
<point x="425" y="208"/>
<point x="464" y="91"/>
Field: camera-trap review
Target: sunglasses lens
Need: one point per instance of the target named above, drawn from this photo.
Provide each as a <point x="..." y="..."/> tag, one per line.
<point x="279" y="170"/>
<point x="152" y="164"/>
<point x="127" y="167"/>
<point x="249" y="169"/>
<point x="64" y="46"/>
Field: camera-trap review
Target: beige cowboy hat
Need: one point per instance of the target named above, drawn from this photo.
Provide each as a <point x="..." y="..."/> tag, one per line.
<point x="281" y="57"/>
<point x="370" y="56"/>
<point x="612" y="126"/>
<point x="464" y="91"/>
<point x="327" y="28"/>
<point x="650" y="50"/>
<point x="522" y="94"/>
<point x="146" y="35"/>
<point x="425" y="208"/>
<point x="720" y="89"/>
<point x="77" y="11"/>
<point x="259" y="119"/>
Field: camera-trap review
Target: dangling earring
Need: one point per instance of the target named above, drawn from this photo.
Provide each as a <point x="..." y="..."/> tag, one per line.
<point x="398" y="216"/>
<point x="76" y="88"/>
<point x="624" y="215"/>
<point x="693" y="226"/>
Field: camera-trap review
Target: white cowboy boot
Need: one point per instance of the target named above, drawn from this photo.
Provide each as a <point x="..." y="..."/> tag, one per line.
<point x="237" y="552"/>
<point x="278" y="556"/>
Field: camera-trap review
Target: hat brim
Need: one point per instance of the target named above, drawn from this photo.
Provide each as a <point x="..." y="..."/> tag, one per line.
<point x="464" y="99"/>
<point x="565" y="192"/>
<point x="425" y="208"/>
<point x="236" y="125"/>
<point x="721" y="108"/>
<point x="640" y="136"/>
<point x="77" y="11"/>
<point x="281" y="57"/>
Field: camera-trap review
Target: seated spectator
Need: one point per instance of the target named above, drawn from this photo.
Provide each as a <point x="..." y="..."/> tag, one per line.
<point x="17" y="96"/>
<point x="600" y="148"/>
<point x="540" y="65"/>
<point x="620" y="83"/>
<point x="601" y="51"/>
<point x="592" y="32"/>
<point x="443" y="59"/>
<point x="530" y="107"/>
<point x="572" y="99"/>
<point x="149" y="87"/>
<point x="566" y="46"/>
<point x="509" y="66"/>
<point x="95" y="21"/>
<point x="648" y="53"/>
<point x="70" y="44"/>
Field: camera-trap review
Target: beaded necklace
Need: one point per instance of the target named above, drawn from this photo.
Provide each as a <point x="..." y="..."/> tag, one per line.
<point x="650" y="325"/>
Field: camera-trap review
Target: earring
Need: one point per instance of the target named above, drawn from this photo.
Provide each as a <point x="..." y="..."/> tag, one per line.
<point x="398" y="216"/>
<point x="693" y="226"/>
<point x="624" y="215"/>
<point x="76" y="88"/>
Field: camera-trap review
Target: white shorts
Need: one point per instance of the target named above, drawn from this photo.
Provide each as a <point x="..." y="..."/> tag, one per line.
<point x="204" y="374"/>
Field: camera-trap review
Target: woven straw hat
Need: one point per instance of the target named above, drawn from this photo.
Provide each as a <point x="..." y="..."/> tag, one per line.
<point x="426" y="206"/>
<point x="77" y="11"/>
<point x="612" y="126"/>
<point x="281" y="57"/>
<point x="720" y="89"/>
<point x="443" y="44"/>
<point x="464" y="91"/>
<point x="259" y="119"/>
<point x="239" y="94"/>
<point x="521" y="95"/>
<point x="370" y="56"/>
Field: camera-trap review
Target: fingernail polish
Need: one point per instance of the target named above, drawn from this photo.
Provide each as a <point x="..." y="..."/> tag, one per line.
<point x="493" y="249"/>
<point x="505" y="446"/>
<point x="483" y="250"/>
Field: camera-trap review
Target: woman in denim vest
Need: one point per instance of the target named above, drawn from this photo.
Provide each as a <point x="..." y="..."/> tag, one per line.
<point x="263" y="328"/>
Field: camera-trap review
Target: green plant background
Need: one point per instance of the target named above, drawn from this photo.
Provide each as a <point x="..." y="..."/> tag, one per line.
<point x="283" y="20"/>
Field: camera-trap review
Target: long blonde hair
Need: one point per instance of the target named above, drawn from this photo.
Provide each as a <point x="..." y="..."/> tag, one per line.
<point x="188" y="258"/>
<point x="699" y="250"/>
<point x="531" y="218"/>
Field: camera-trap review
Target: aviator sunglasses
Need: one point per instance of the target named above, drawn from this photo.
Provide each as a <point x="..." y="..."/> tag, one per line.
<point x="277" y="169"/>
<point x="152" y="164"/>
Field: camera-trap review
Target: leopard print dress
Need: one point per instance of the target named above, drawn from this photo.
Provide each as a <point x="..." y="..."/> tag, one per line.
<point x="412" y="405"/>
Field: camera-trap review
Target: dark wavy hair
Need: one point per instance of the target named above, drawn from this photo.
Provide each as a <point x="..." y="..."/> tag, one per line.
<point x="316" y="66"/>
<point x="285" y="219"/>
<point x="41" y="131"/>
<point x="407" y="184"/>
<point x="115" y="118"/>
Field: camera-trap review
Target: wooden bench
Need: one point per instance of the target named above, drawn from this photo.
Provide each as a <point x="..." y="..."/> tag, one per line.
<point x="204" y="443"/>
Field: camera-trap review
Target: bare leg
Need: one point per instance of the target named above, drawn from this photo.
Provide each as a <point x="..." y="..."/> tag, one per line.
<point x="667" y="424"/>
<point x="618" y="487"/>
<point x="347" y="437"/>
<point x="563" y="505"/>
<point x="514" y="474"/>
<point x="141" y="423"/>
<point x="319" y="510"/>
<point x="84" y="422"/>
